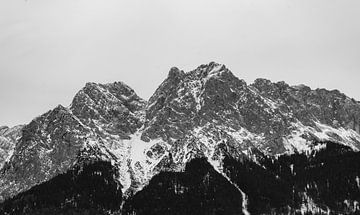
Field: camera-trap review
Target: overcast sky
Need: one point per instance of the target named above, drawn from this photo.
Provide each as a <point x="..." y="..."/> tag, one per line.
<point x="49" y="49"/>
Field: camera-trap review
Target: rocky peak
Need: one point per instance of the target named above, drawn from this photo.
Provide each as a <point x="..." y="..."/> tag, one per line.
<point x="273" y="112"/>
<point x="111" y="91"/>
<point x="212" y="69"/>
<point x="175" y="73"/>
<point x="111" y="107"/>
<point x="49" y="145"/>
<point x="99" y="117"/>
<point x="165" y="90"/>
<point x="182" y="97"/>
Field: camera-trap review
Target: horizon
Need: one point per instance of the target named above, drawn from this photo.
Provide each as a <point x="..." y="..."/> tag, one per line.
<point x="49" y="49"/>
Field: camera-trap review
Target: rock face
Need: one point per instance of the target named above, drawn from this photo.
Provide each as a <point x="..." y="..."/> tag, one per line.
<point x="234" y="132"/>
<point x="8" y="139"/>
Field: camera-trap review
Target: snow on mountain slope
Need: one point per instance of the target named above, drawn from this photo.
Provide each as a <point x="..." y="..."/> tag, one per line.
<point x="8" y="139"/>
<point x="6" y="150"/>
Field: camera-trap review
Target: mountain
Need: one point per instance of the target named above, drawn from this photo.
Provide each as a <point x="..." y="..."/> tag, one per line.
<point x="206" y="142"/>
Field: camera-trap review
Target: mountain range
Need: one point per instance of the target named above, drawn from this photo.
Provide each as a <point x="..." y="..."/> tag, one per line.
<point x="206" y="142"/>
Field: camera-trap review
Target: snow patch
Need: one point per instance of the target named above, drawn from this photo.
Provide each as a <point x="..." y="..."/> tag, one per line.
<point x="348" y="136"/>
<point x="296" y="141"/>
<point x="136" y="166"/>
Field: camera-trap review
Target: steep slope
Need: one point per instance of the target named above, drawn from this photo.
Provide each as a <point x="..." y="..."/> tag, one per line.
<point x="85" y="189"/>
<point x="54" y="142"/>
<point x="208" y="111"/>
<point x="8" y="139"/>
<point x="243" y="131"/>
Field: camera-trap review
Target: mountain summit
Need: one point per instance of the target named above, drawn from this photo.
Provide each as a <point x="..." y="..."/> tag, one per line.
<point x="203" y="134"/>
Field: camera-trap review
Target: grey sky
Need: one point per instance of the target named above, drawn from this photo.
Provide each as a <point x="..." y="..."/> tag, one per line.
<point x="50" y="48"/>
